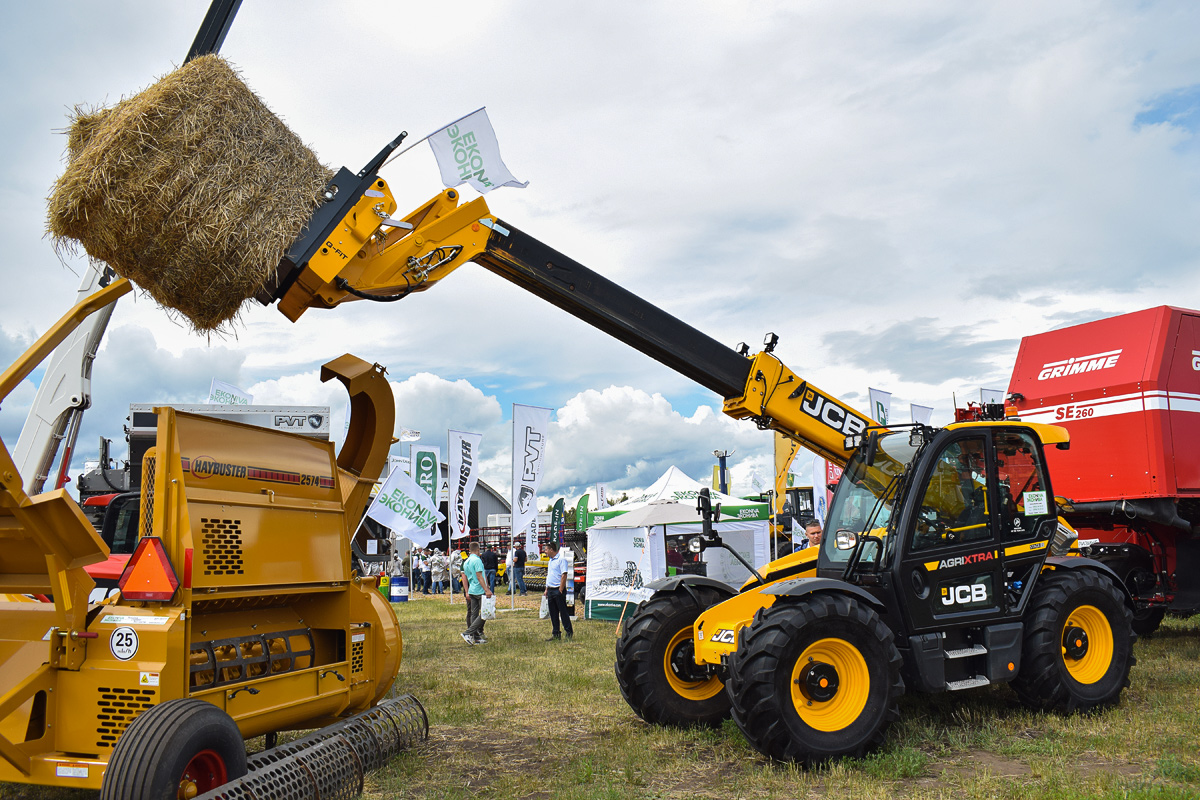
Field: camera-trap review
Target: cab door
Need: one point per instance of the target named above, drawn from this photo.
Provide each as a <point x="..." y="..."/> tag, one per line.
<point x="951" y="569"/>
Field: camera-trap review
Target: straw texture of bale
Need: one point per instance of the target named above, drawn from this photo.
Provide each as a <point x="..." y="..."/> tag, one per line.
<point x="192" y="189"/>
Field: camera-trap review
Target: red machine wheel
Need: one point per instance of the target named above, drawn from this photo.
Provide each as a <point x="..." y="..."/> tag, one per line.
<point x="179" y="749"/>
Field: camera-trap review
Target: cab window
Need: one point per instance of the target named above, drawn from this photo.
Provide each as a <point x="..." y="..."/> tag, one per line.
<point x="1023" y="493"/>
<point x="954" y="508"/>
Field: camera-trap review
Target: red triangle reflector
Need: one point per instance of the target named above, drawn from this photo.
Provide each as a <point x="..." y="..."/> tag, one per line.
<point x="149" y="575"/>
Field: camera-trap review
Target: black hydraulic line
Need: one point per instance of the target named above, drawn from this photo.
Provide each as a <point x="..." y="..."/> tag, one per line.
<point x="212" y="31"/>
<point x="591" y="297"/>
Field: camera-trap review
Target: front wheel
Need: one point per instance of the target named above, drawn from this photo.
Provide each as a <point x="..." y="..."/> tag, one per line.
<point x="656" y="668"/>
<point x="815" y="679"/>
<point x="179" y="749"/>
<point x="1078" y="645"/>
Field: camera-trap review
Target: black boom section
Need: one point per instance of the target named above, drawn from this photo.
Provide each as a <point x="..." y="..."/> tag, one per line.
<point x="212" y="31"/>
<point x="603" y="304"/>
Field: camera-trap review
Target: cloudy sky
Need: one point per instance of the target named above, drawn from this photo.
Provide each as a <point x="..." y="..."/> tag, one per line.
<point x="899" y="191"/>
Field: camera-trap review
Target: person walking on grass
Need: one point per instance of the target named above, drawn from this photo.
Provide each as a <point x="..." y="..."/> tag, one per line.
<point x="474" y="590"/>
<point x="556" y="592"/>
<point x="491" y="565"/>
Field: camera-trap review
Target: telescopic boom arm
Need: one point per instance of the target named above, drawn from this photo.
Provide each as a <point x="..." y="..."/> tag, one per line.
<point x="371" y="256"/>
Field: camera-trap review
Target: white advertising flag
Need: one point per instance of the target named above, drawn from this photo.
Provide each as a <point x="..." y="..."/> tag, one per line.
<point x="921" y="414"/>
<point x="462" y="451"/>
<point x="226" y="394"/>
<point x="601" y="496"/>
<point x="408" y="435"/>
<point x="403" y="506"/>
<point x="991" y="396"/>
<point x="820" y="500"/>
<point x="530" y="424"/>
<point x="881" y="405"/>
<point x="467" y="152"/>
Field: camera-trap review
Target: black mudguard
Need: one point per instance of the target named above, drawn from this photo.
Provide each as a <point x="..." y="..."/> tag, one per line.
<point x="676" y="583"/>
<point x="798" y="587"/>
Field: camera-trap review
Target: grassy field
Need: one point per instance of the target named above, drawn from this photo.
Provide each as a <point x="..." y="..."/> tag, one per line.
<point x="524" y="718"/>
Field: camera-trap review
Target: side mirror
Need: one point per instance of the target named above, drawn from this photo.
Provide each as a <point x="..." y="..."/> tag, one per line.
<point x="845" y="539"/>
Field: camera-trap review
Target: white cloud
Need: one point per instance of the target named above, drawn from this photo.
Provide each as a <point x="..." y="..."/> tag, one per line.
<point x="876" y="183"/>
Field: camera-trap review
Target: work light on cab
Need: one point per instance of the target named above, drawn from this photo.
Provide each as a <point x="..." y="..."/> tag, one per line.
<point x="149" y="575"/>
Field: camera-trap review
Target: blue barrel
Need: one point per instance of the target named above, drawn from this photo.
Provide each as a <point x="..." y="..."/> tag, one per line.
<point x="399" y="589"/>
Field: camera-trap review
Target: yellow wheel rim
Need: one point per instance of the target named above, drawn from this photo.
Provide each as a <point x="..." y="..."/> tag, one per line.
<point x="692" y="690"/>
<point x="853" y="685"/>
<point x="1096" y="644"/>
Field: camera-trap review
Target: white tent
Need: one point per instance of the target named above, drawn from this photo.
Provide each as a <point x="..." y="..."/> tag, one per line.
<point x="629" y="550"/>
<point x="675" y="486"/>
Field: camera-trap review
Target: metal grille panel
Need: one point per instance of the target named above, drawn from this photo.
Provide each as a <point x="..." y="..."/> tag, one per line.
<point x="222" y="540"/>
<point x="356" y="657"/>
<point x="332" y="762"/>
<point x="148" y="462"/>
<point x="116" y="709"/>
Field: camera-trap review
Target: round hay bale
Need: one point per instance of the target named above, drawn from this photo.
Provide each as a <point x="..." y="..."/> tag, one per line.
<point x="192" y="189"/>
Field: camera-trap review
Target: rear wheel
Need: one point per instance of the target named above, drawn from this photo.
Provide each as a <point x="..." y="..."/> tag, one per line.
<point x="1147" y="620"/>
<point x="1078" y="645"/>
<point x="179" y="749"/>
<point x="656" y="668"/>
<point x="815" y="679"/>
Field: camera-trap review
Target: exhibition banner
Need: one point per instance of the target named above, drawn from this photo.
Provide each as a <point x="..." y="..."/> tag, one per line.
<point x="463" y="453"/>
<point x="404" y="507"/>
<point x="881" y="405"/>
<point x="467" y="152"/>
<point x="920" y="414"/>
<point x="618" y="568"/>
<point x="530" y="425"/>
<point x="226" y="394"/>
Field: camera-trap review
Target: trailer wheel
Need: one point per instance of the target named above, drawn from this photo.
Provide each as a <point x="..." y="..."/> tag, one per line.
<point x="1147" y="620"/>
<point x="1078" y="645"/>
<point x="815" y="680"/>
<point x="655" y="667"/>
<point x="179" y="749"/>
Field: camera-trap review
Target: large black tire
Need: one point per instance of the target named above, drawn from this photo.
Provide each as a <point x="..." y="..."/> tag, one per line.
<point x="1146" y="620"/>
<point x="655" y="666"/>
<point x="176" y="742"/>
<point x="815" y="679"/>
<point x="1078" y="645"/>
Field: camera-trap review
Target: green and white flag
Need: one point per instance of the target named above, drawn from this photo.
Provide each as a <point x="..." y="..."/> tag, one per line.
<point x="404" y="507"/>
<point x="425" y="468"/>
<point x="467" y="152"/>
<point x="581" y="512"/>
<point x="881" y="405"/>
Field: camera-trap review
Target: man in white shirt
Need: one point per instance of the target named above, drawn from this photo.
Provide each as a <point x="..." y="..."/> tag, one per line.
<point x="556" y="592"/>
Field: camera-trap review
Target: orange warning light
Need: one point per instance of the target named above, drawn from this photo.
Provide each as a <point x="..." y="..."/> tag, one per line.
<point x="149" y="575"/>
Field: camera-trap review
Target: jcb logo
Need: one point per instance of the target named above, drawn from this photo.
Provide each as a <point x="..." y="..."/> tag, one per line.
<point x="964" y="595"/>
<point x="723" y="636"/>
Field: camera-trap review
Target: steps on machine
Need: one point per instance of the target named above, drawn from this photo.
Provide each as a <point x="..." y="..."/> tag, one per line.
<point x="967" y="683"/>
<point x="966" y="652"/>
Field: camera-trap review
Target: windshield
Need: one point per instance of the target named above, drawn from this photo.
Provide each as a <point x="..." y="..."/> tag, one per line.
<point x="856" y="501"/>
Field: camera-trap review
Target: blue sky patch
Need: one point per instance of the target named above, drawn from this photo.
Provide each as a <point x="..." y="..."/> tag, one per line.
<point x="1180" y="108"/>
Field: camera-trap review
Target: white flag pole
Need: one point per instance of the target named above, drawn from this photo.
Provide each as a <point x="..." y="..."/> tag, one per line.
<point x="426" y="136"/>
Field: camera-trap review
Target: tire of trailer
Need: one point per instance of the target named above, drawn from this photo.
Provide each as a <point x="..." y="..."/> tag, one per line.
<point x="1078" y="644"/>
<point x="181" y="748"/>
<point x="815" y="679"/>
<point x="654" y="656"/>
<point x="1146" y="620"/>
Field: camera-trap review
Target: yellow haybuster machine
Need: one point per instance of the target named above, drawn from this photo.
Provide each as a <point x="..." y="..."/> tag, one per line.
<point x="240" y="614"/>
